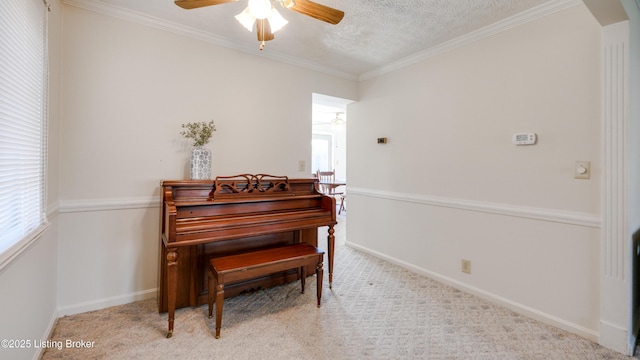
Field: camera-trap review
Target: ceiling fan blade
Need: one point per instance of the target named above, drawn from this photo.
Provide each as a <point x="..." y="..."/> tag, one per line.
<point x="318" y="11"/>
<point x="264" y="30"/>
<point x="193" y="4"/>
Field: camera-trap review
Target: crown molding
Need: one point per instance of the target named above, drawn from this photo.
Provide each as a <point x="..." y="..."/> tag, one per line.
<point x="183" y="30"/>
<point x="538" y="12"/>
<point x="524" y="17"/>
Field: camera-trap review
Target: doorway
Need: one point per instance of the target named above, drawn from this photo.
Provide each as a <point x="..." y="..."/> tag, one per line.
<point x="329" y="135"/>
<point x="329" y="142"/>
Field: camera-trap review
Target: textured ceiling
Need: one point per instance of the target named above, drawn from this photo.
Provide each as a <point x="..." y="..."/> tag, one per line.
<point x="373" y="33"/>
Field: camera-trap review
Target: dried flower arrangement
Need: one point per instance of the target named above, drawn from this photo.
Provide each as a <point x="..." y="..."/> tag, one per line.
<point x="200" y="132"/>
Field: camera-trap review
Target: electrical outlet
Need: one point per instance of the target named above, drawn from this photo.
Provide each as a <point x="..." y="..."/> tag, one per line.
<point x="466" y="266"/>
<point x="302" y="166"/>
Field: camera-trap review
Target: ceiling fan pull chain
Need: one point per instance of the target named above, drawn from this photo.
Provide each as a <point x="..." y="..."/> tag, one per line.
<point x="261" y="24"/>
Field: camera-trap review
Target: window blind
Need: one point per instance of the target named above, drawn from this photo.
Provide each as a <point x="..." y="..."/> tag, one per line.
<point x="23" y="83"/>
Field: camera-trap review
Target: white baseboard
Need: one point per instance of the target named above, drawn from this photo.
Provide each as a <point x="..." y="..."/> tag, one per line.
<point x="47" y="334"/>
<point x="530" y="312"/>
<point x="91" y="306"/>
<point x="614" y="337"/>
<point x="108" y="302"/>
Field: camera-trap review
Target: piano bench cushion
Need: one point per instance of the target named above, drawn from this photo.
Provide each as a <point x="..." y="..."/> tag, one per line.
<point x="245" y="266"/>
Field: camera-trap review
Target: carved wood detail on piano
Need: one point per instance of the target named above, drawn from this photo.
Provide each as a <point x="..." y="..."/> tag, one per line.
<point x="201" y="219"/>
<point x="249" y="184"/>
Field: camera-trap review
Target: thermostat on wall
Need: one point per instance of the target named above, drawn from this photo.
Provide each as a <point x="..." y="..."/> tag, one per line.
<point x="524" y="138"/>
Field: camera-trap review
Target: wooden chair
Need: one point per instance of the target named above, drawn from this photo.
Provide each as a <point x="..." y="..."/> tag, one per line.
<point x="328" y="186"/>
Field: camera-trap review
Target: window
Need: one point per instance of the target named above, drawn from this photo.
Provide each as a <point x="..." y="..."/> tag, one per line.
<point x="321" y="152"/>
<point x="23" y="99"/>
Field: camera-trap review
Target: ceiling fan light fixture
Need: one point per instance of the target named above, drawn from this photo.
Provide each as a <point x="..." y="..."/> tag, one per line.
<point x="246" y="19"/>
<point x="276" y="21"/>
<point x="287" y="3"/>
<point x="260" y="9"/>
<point x="269" y="19"/>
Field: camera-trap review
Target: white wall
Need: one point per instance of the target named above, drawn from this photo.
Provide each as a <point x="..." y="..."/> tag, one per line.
<point x="633" y="11"/>
<point x="28" y="304"/>
<point x="127" y="88"/>
<point x="29" y="296"/>
<point x="450" y="185"/>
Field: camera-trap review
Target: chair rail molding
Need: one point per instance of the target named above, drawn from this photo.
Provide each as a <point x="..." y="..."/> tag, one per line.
<point x="559" y="216"/>
<point x="84" y="205"/>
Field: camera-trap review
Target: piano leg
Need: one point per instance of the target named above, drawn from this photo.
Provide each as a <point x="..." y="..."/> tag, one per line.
<point x="219" y="306"/>
<point x="331" y="242"/>
<point x="211" y="296"/>
<point x="319" y="274"/>
<point x="172" y="285"/>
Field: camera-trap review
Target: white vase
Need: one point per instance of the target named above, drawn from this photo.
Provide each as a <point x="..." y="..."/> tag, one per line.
<point x="200" y="163"/>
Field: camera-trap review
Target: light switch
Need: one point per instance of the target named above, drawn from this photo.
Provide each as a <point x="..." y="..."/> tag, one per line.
<point x="582" y="170"/>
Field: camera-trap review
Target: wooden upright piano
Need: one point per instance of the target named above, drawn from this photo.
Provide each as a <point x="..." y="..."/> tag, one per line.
<point x="201" y="219"/>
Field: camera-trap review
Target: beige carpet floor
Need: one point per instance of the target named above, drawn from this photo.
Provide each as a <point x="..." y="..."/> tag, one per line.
<point x="376" y="310"/>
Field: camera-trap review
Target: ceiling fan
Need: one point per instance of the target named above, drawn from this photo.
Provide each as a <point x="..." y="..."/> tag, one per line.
<point x="338" y="120"/>
<point x="267" y="18"/>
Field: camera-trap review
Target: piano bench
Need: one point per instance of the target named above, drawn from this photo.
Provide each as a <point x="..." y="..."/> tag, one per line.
<point x="245" y="266"/>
